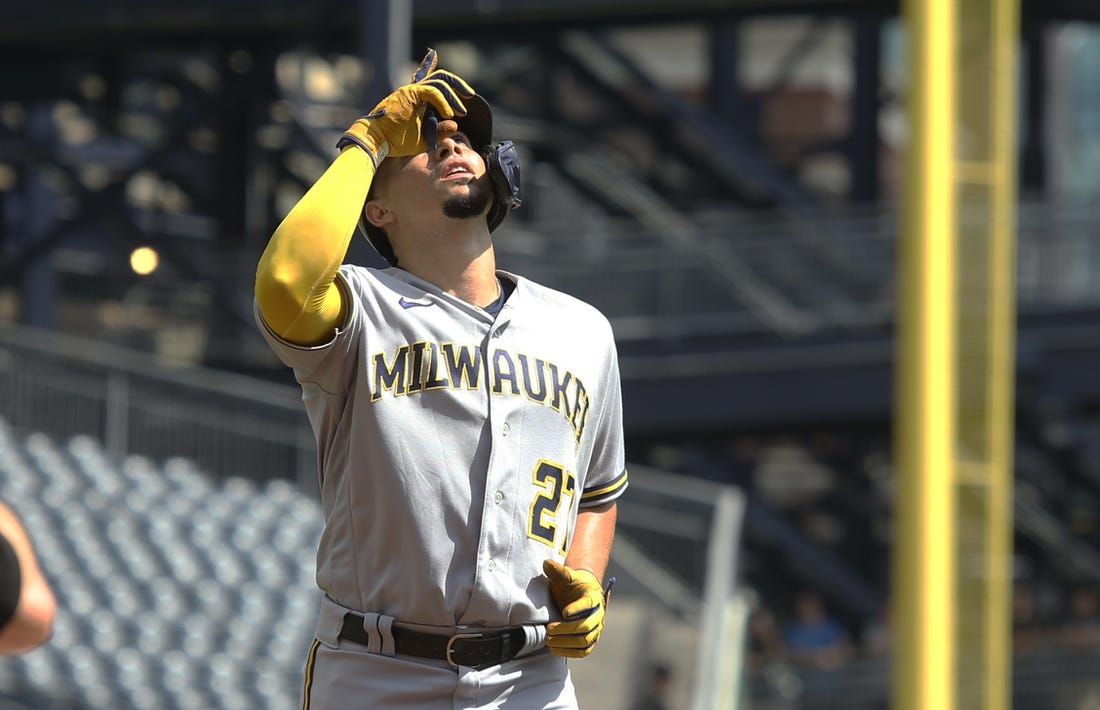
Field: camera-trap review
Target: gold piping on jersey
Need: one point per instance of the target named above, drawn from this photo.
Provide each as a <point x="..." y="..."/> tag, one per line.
<point x="595" y="496"/>
<point x="307" y="686"/>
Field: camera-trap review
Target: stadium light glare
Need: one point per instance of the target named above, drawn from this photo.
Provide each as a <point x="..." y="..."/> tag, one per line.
<point x="144" y="260"/>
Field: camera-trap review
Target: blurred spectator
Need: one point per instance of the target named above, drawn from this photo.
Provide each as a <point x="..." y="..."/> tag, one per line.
<point x="1028" y="635"/>
<point x="1082" y="629"/>
<point x="814" y="638"/>
<point x="765" y="641"/>
<point x="877" y="637"/>
<point x="743" y="455"/>
<point x="654" y="697"/>
<point x="27" y="603"/>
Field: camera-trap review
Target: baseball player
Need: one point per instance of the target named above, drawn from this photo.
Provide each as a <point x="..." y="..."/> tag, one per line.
<point x="27" y="603"/>
<point x="468" y="421"/>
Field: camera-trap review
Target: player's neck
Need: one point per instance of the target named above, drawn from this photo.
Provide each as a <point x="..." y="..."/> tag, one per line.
<point x="471" y="279"/>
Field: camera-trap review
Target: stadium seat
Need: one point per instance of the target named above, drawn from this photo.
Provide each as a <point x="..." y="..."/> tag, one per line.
<point x="174" y="590"/>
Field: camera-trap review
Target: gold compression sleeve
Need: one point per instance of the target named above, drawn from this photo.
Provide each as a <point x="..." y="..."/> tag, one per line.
<point x="296" y="286"/>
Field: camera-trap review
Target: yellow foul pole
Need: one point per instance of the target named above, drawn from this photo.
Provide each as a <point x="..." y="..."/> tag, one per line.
<point x="924" y="564"/>
<point x="1002" y="340"/>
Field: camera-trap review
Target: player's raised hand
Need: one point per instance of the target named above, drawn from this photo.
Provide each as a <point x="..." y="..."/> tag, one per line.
<point x="408" y="120"/>
<point x="582" y="603"/>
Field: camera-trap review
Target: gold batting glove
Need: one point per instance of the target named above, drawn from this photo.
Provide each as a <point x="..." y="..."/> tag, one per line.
<point x="408" y="120"/>
<point x="582" y="603"/>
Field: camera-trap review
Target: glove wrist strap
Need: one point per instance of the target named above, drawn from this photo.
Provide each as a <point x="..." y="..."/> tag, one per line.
<point x="376" y="157"/>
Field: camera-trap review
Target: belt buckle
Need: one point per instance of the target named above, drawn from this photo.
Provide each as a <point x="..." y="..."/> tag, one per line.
<point x="451" y="642"/>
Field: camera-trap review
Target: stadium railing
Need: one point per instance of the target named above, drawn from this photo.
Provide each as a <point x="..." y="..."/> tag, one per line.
<point x="135" y="404"/>
<point x="809" y="275"/>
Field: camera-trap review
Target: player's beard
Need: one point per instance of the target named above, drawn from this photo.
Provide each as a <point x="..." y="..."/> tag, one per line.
<point x="472" y="204"/>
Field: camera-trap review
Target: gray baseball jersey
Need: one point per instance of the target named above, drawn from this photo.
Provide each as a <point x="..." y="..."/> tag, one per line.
<point x="456" y="448"/>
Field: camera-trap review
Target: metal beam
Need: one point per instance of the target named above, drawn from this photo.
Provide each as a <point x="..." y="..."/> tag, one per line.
<point x="1034" y="124"/>
<point x="863" y="136"/>
<point x="87" y="25"/>
<point x="384" y="33"/>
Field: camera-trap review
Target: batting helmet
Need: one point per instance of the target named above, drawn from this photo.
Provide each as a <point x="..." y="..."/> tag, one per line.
<point x="501" y="165"/>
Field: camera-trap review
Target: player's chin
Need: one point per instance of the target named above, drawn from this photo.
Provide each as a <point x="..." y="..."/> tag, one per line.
<point x="467" y="203"/>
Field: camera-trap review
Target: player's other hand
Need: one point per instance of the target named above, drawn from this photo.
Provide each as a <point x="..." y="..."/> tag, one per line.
<point x="581" y="601"/>
<point x="408" y="120"/>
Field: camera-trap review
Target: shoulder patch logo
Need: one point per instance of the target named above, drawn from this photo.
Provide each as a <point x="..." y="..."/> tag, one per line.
<point x="406" y="303"/>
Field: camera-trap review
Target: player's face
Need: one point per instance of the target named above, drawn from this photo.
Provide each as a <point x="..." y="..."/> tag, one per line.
<point x="452" y="176"/>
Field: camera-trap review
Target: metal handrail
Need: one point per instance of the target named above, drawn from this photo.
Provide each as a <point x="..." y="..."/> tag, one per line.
<point x="229" y="424"/>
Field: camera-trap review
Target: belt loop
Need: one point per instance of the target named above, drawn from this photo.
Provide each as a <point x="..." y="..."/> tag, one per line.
<point x="535" y="639"/>
<point x="379" y="630"/>
<point x="385" y="630"/>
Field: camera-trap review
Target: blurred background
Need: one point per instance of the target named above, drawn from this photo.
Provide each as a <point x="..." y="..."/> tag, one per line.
<point x="720" y="177"/>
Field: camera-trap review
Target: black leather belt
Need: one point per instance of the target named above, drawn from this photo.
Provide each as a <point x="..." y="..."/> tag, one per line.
<point x="473" y="649"/>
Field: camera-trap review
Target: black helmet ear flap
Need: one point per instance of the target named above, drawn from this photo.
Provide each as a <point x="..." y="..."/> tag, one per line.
<point x="502" y="165"/>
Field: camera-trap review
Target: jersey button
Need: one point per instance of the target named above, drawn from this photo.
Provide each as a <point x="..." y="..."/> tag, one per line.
<point x="492" y="565"/>
<point x="505" y="429"/>
<point x="498" y="498"/>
